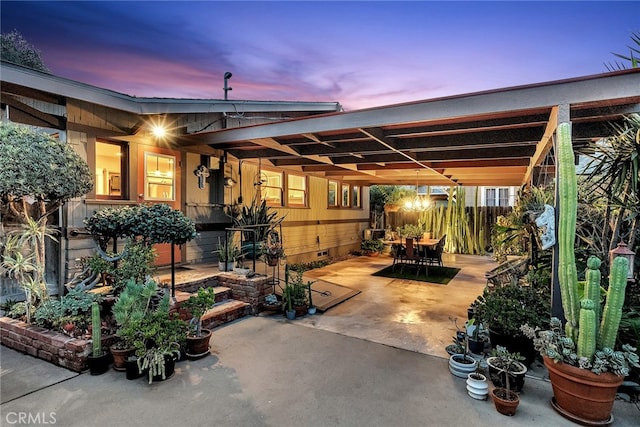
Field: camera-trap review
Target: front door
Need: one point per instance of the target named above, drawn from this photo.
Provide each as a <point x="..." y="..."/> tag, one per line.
<point x="159" y="182"/>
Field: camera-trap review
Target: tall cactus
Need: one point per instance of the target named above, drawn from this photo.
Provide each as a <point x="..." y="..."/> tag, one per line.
<point x="582" y="316"/>
<point x="96" y="335"/>
<point x="568" y="200"/>
<point x="587" y="336"/>
<point x="612" y="312"/>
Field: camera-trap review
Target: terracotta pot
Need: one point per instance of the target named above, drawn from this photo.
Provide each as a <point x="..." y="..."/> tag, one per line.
<point x="120" y="357"/>
<point x="198" y="346"/>
<point x="506" y="402"/>
<point x="581" y="395"/>
<point x="372" y="253"/>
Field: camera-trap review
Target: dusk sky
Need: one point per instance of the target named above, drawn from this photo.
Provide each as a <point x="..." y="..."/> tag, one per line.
<point x="361" y="54"/>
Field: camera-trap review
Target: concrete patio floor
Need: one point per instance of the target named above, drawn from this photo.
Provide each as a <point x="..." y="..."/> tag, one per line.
<point x="406" y="314"/>
<point x="377" y="359"/>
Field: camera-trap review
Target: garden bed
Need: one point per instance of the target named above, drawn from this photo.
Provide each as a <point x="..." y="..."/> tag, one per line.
<point x="45" y="344"/>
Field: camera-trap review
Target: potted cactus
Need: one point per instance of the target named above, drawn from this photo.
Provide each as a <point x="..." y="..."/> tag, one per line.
<point x="198" y="338"/>
<point x="584" y="369"/>
<point x="98" y="360"/>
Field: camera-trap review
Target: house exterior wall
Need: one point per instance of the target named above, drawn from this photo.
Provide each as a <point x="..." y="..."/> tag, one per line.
<point x="309" y="233"/>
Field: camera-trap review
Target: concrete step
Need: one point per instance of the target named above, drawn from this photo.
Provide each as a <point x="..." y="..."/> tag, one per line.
<point x="225" y="312"/>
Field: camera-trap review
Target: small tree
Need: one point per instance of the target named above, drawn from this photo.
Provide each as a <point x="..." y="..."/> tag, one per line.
<point x="19" y="51"/>
<point x="37" y="174"/>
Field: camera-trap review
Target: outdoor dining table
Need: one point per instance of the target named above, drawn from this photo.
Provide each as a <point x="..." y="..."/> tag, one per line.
<point x="422" y="242"/>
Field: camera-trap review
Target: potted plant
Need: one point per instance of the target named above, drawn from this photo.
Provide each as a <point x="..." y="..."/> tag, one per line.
<point x="273" y="250"/>
<point x="462" y="364"/>
<point x="198" y="338"/>
<point x="131" y="306"/>
<point x="372" y="247"/>
<point x="159" y="341"/>
<point x="477" y="336"/>
<point x="410" y="231"/>
<point x="584" y="369"/>
<point x="504" y="365"/>
<point x="477" y="386"/>
<point x="505" y="400"/>
<point x="504" y="310"/>
<point x="228" y="254"/>
<point x="298" y="291"/>
<point x="272" y="303"/>
<point x="256" y="221"/>
<point x="290" y="312"/>
<point x="98" y="360"/>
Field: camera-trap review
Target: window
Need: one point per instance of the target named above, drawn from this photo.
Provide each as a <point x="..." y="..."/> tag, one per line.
<point x="333" y="193"/>
<point x="111" y="167"/>
<point x="296" y="190"/>
<point x="497" y="196"/>
<point x="271" y="189"/>
<point x="159" y="177"/>
<point x="355" y="196"/>
<point x="345" y="200"/>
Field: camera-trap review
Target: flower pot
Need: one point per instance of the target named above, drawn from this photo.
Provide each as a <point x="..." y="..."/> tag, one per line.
<point x="372" y="253"/>
<point x="582" y="396"/>
<point x="226" y="266"/>
<point x="477" y="386"/>
<point x="516" y="376"/>
<point x="506" y="402"/>
<point x="198" y="347"/>
<point x="131" y="367"/>
<point x="476" y="347"/>
<point x="169" y="369"/>
<point x="461" y="365"/>
<point x="300" y="309"/>
<point x="515" y="344"/>
<point x="311" y="310"/>
<point x="120" y="357"/>
<point x="291" y="314"/>
<point x="98" y="365"/>
<point x="272" y="261"/>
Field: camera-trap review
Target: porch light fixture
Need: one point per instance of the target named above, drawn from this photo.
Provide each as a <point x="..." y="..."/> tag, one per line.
<point x="159" y="131"/>
<point x="624" y="251"/>
<point x="418" y="203"/>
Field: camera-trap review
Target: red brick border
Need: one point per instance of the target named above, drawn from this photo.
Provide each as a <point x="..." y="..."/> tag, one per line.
<point x="45" y="344"/>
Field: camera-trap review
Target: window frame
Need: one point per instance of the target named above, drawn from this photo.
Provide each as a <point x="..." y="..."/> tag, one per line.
<point x="124" y="170"/>
<point x="146" y="175"/>
<point x="265" y="186"/>
<point x="305" y="191"/>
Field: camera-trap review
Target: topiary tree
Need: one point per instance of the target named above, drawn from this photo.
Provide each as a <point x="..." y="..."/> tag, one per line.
<point x="38" y="173"/>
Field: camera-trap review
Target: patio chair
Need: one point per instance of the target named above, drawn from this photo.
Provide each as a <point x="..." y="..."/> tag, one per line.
<point x="433" y="256"/>
<point x="412" y="255"/>
<point x="399" y="252"/>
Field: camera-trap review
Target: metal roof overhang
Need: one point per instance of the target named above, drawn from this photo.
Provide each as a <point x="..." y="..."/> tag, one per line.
<point x="496" y="137"/>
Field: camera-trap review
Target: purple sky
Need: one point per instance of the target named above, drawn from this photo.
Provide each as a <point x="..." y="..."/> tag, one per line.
<point x="361" y="54"/>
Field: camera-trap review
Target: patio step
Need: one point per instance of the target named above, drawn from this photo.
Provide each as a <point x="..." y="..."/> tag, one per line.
<point x="225" y="309"/>
<point x="225" y="312"/>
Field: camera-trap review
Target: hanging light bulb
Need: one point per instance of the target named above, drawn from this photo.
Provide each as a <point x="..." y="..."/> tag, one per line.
<point x="418" y="203"/>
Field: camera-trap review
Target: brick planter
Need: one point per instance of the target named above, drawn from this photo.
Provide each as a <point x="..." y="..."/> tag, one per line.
<point x="48" y="345"/>
<point x="251" y="290"/>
